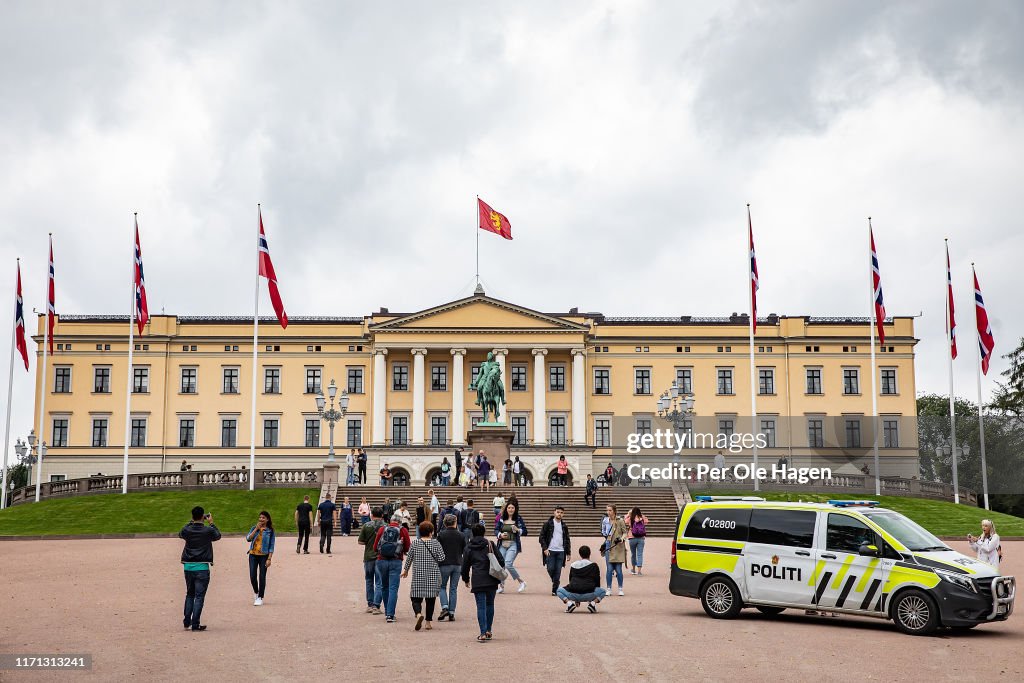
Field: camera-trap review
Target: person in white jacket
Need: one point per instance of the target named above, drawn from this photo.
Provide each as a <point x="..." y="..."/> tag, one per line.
<point x="986" y="545"/>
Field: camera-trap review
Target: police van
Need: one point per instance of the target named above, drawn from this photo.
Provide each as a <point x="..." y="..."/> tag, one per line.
<point x="848" y="557"/>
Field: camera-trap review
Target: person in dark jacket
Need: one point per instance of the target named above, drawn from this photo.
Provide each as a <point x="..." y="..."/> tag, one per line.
<point x="196" y="558"/>
<point x="422" y="514"/>
<point x="555" y="544"/>
<point x="367" y="535"/>
<point x="584" y="583"/>
<point x="484" y="586"/>
<point x="509" y="529"/>
<point x="591" y="494"/>
<point x="454" y="544"/>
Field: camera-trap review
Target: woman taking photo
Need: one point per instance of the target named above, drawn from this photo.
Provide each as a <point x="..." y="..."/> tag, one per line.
<point x="476" y="565"/>
<point x="509" y="529"/>
<point x="261" y="552"/>
<point x="425" y="554"/>
<point x="986" y="545"/>
<point x="636" y="525"/>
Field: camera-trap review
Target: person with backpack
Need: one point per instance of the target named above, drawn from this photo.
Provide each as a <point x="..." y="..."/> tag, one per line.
<point x="614" y="549"/>
<point x="636" y="526"/>
<point x="477" y="566"/>
<point x="454" y="545"/>
<point x="470" y="518"/>
<point x="392" y="543"/>
<point x="509" y="529"/>
<point x="367" y="534"/>
<point x="446" y="472"/>
<point x="425" y="556"/>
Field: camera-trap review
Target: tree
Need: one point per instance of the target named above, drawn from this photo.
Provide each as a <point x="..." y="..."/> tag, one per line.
<point x="1009" y="397"/>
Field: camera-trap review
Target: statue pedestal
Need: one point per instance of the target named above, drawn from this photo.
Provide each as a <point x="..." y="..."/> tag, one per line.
<point x="494" y="440"/>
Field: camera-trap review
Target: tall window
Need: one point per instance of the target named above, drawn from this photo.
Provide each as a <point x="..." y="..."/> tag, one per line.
<point x="816" y="432"/>
<point x="726" y="427"/>
<point x="518" y="431"/>
<point x="272" y="380"/>
<point x="271" y="429"/>
<point x="768" y="429"/>
<point x="228" y="433"/>
<point x="518" y="378"/>
<point x="140" y="381"/>
<point x="60" y="432"/>
<point x="230" y="380"/>
<point x="439" y="377"/>
<point x="62" y="380"/>
<point x="474" y="373"/>
<point x="138" y="432"/>
<point x="851" y="383"/>
<point x="313" y="380"/>
<point x="312" y="433"/>
<point x="187" y="432"/>
<point x="188" y="380"/>
<point x="725" y="381"/>
<point x="852" y="433"/>
<point x="643" y="425"/>
<point x="684" y="380"/>
<point x="889" y="381"/>
<point x="602" y="381"/>
<point x="602" y="433"/>
<point x="354" y="433"/>
<point x="400" y="377"/>
<point x="399" y="430"/>
<point x="813" y="380"/>
<point x="556" y="373"/>
<point x="99" y="432"/>
<point x="101" y="381"/>
<point x="355" y="380"/>
<point x="766" y="381"/>
<point x="891" y="433"/>
<point x="438" y="430"/>
<point x="643" y="380"/>
<point x="557" y="431"/>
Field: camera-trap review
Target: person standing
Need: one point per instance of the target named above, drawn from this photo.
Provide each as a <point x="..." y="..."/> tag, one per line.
<point x="506" y="472"/>
<point x="350" y="468"/>
<point x="498" y="503"/>
<point x="304" y="523"/>
<point x="364" y="511"/>
<point x="425" y="556"/>
<point x="361" y="462"/>
<point x="517" y="469"/>
<point x="509" y="529"/>
<point x="403" y="513"/>
<point x="385" y="475"/>
<point x="345" y="517"/>
<point x="458" y="461"/>
<point x="422" y="514"/>
<point x="325" y="520"/>
<point x="476" y="565"/>
<point x="196" y="558"/>
<point x="584" y="583"/>
<point x="392" y="543"/>
<point x="367" y="536"/>
<point x="446" y="472"/>
<point x="613" y="529"/>
<point x="590" y="496"/>
<point x="563" y="471"/>
<point x="388" y="509"/>
<point x="986" y="545"/>
<point x="261" y="554"/>
<point x="556" y="546"/>
<point x="435" y="508"/>
<point x="454" y="544"/>
<point x="636" y="525"/>
<point x="492" y="477"/>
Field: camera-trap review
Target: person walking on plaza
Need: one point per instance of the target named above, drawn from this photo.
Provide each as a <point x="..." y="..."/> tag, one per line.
<point x="425" y="556"/>
<point x="196" y="558"/>
<point x="563" y="471"/>
<point x="591" y="493"/>
<point x="325" y="520"/>
<point x="422" y="514"/>
<point x="613" y="529"/>
<point x="361" y="463"/>
<point x="363" y="511"/>
<point x="454" y="544"/>
<point x="392" y="543"/>
<point x="304" y="523"/>
<point x="446" y="472"/>
<point x="509" y="529"/>
<point x="498" y="503"/>
<point x="345" y="517"/>
<point x="469" y="518"/>
<point x="261" y="554"/>
<point x="367" y="536"/>
<point x="584" y="583"/>
<point x="350" y="468"/>
<point x="986" y="545"/>
<point x="556" y="546"/>
<point x="636" y="526"/>
<point x="476" y="565"/>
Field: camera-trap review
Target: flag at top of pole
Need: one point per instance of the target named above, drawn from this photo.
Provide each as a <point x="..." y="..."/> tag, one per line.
<point x="986" y="342"/>
<point x="19" y="321"/>
<point x="951" y="322"/>
<point x="492" y="221"/>
<point x="50" y="299"/>
<point x="141" y="305"/>
<point x="876" y="278"/>
<point x="754" y="282"/>
<point x="266" y="267"/>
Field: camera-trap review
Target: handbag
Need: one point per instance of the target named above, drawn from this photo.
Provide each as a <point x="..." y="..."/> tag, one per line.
<point x="495" y="569"/>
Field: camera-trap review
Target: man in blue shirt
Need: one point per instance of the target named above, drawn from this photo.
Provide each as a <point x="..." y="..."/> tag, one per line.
<point x="325" y="518"/>
<point x="196" y="558"/>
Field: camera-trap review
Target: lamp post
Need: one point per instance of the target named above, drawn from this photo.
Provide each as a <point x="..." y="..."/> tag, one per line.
<point x="27" y="454"/>
<point x="945" y="450"/>
<point x="20" y="449"/>
<point x="330" y="414"/>
<point x="676" y="407"/>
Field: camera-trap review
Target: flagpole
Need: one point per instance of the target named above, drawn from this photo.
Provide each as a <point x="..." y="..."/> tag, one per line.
<point x="255" y="357"/>
<point x="44" y="383"/>
<point x="131" y="369"/>
<point x="952" y="400"/>
<point x="753" y="365"/>
<point x="10" y="388"/>
<point x="981" y="420"/>
<point x="477" y="231"/>
<point x="874" y="390"/>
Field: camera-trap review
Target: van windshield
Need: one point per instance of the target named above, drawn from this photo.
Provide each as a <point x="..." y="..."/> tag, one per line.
<point x="909" y="533"/>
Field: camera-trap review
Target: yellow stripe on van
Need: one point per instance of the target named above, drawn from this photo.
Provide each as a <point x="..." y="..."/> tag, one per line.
<point x="817" y="570"/>
<point x="841" y="574"/>
<point x="863" y="583"/>
<point x="704" y="562"/>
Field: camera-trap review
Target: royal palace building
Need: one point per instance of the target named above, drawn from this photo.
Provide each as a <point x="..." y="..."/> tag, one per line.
<point x="577" y="384"/>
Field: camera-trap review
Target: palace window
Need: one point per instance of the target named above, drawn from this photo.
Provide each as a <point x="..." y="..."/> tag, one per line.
<point x="816" y="432"/>
<point x="312" y="433"/>
<point x="889" y="381"/>
<point x="313" y="376"/>
<point x="187" y="432"/>
<point x="138" y="438"/>
<point x="188" y="380"/>
<point x="400" y="377"/>
<point x="60" y="432"/>
<point x="556" y="373"/>
<point x="852" y="433"/>
<point x="602" y="433"/>
<point x="140" y="381"/>
<point x="890" y="433"/>
<point x="439" y="378"/>
<point x="271" y="429"/>
<point x="230" y="380"/>
<point x="355" y="380"/>
<point x="851" y="381"/>
<point x="272" y="380"/>
<point x="228" y="433"/>
<point x="684" y="380"/>
<point x="557" y="431"/>
<point x="814" y="381"/>
<point x="99" y="432"/>
<point x="62" y="380"/>
<point x="101" y="380"/>
<point x="766" y="381"/>
<point x="518" y="378"/>
<point x="725" y="381"/>
<point x="353" y="433"/>
<point x="399" y="430"/>
<point x="518" y="430"/>
<point x="642" y="382"/>
<point x="438" y="430"/>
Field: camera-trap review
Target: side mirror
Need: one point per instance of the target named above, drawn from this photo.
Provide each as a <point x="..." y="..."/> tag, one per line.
<point x="869" y="550"/>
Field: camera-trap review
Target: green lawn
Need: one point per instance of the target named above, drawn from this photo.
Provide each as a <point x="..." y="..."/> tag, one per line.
<point x="941" y="518"/>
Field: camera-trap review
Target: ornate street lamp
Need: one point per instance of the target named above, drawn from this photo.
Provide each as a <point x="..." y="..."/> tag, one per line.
<point x="945" y="450"/>
<point x="675" y="407"/>
<point x="331" y="415"/>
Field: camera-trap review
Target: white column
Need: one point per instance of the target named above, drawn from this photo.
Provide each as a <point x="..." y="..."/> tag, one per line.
<point x="458" y="397"/>
<point x="579" y="389"/>
<point x="418" y="396"/>
<point x="380" y="396"/>
<point x="540" y="386"/>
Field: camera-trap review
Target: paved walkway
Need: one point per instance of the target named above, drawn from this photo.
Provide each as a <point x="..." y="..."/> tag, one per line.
<point x="120" y="600"/>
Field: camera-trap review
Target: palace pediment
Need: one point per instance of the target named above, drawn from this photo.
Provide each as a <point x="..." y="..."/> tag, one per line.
<point x="478" y="313"/>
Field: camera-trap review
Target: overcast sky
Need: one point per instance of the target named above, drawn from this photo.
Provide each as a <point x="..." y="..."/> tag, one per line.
<point x="622" y="140"/>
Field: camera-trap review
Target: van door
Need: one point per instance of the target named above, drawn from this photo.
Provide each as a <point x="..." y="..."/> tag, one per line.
<point x="780" y="556"/>
<point x="843" y="578"/>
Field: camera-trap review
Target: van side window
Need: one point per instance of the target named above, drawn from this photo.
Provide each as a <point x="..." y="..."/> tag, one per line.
<point x="847" y="534"/>
<point x="719" y="524"/>
<point x="783" y="527"/>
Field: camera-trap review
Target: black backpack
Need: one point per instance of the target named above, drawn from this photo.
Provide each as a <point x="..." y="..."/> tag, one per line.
<point x="471" y="517"/>
<point x="390" y="543"/>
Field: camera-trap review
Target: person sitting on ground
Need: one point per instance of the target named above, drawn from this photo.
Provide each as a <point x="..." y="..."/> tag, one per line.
<point x="584" y="583"/>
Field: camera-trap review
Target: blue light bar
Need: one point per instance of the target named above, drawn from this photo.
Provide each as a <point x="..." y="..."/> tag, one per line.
<point x="854" y="503"/>
<point x="714" y="499"/>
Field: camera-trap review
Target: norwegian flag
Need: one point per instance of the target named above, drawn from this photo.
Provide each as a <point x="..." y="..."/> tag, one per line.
<point x="267" y="271"/>
<point x="951" y="323"/>
<point x="19" y="321"/>
<point x="754" y="283"/>
<point x="986" y="342"/>
<point x="51" y="311"/>
<point x="876" y="280"/>
<point x="141" y="305"/>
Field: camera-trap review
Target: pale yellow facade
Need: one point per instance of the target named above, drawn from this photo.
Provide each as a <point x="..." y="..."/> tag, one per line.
<point x="407" y="377"/>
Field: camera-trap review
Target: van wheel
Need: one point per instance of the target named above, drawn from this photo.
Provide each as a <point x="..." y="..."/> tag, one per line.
<point x="770" y="611"/>
<point x="720" y="598"/>
<point x="914" y="613"/>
